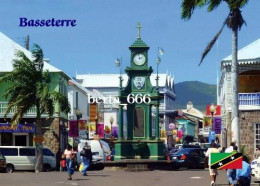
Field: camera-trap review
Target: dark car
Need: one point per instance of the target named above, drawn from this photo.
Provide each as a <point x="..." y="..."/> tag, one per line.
<point x="189" y="157"/>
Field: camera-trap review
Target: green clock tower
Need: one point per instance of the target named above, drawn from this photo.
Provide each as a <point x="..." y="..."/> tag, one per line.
<point x="138" y="135"/>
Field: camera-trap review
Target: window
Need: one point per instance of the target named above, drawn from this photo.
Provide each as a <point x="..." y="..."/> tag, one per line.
<point x="47" y="152"/>
<point x="9" y="151"/>
<point x="257" y="136"/>
<point x="27" y="152"/>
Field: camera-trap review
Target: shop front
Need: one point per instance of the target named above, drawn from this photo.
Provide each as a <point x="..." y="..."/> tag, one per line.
<point x="16" y="135"/>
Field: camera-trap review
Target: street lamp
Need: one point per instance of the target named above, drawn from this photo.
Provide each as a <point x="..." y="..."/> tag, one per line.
<point x="118" y="64"/>
<point x="158" y="61"/>
<point x="212" y="110"/>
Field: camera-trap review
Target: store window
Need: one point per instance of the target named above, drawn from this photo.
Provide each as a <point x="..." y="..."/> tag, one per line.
<point x="257" y="136"/>
<point x="6" y="139"/>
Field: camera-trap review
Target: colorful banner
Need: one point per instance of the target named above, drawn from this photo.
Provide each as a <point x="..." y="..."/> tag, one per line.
<point x="207" y="121"/>
<point x="73" y="129"/>
<point x="212" y="136"/>
<point x="20" y="128"/>
<point x="179" y="134"/>
<point x="217" y="110"/>
<point x="115" y="131"/>
<point x="92" y="127"/>
<point x="82" y="125"/>
<point x="217" y="125"/>
<point x="100" y="130"/>
<point x="226" y="160"/>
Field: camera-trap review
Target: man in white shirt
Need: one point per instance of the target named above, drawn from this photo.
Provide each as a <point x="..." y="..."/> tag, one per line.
<point x="230" y="148"/>
<point x="212" y="172"/>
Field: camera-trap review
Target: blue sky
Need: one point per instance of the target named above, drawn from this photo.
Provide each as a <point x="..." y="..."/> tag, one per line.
<point x="106" y="28"/>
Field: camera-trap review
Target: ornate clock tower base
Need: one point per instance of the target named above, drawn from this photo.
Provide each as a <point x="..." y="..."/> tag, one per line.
<point x="134" y="149"/>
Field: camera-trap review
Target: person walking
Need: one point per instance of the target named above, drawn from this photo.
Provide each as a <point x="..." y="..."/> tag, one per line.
<point x="86" y="157"/>
<point x="70" y="164"/>
<point x="230" y="148"/>
<point x="63" y="163"/>
<point x="231" y="173"/>
<point x="212" y="172"/>
<point x="257" y="153"/>
<point x="243" y="176"/>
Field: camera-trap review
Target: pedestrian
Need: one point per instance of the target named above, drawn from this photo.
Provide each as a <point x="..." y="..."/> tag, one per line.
<point x="63" y="163"/>
<point x="231" y="173"/>
<point x="230" y="148"/>
<point x="243" y="176"/>
<point x="217" y="142"/>
<point x="212" y="172"/>
<point x="86" y="157"/>
<point x="70" y="162"/>
<point x="257" y="153"/>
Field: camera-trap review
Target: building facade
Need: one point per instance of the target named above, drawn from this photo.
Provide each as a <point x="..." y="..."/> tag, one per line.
<point x="249" y="96"/>
<point x="52" y="127"/>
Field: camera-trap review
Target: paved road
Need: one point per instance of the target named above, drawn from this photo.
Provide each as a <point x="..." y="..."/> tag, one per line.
<point x="114" y="178"/>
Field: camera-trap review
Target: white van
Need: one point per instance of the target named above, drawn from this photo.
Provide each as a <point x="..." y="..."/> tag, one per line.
<point x="23" y="158"/>
<point x="98" y="155"/>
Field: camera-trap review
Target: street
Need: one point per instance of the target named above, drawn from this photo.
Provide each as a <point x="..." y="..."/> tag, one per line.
<point x="114" y="178"/>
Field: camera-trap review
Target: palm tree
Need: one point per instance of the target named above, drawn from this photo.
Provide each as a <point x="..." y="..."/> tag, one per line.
<point x="30" y="87"/>
<point x="234" y="21"/>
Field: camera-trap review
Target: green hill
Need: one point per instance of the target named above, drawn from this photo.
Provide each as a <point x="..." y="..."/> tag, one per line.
<point x="200" y="94"/>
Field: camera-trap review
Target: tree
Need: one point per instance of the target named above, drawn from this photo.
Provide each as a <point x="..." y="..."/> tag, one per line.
<point x="234" y="21"/>
<point x="30" y="87"/>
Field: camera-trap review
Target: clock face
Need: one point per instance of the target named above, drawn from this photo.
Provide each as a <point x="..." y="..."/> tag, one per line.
<point x="139" y="59"/>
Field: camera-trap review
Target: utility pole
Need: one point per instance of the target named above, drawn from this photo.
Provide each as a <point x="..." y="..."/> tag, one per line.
<point x="27" y="42"/>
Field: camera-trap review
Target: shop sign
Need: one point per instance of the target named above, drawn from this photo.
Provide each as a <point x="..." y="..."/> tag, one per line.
<point x="20" y="128"/>
<point x="217" y="125"/>
<point x="38" y="139"/>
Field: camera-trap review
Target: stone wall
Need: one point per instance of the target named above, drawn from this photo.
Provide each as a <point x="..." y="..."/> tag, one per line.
<point x="247" y="120"/>
<point x="51" y="133"/>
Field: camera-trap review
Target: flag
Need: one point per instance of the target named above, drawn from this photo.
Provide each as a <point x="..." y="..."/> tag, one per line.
<point x="226" y="160"/>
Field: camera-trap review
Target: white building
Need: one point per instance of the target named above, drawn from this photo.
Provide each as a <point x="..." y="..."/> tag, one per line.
<point x="108" y="85"/>
<point x="249" y="95"/>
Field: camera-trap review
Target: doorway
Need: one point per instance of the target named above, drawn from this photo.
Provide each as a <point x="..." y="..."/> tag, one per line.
<point x="20" y="139"/>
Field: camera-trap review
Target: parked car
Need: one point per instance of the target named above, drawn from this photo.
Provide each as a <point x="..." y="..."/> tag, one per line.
<point x="98" y="155"/>
<point x="254" y="165"/>
<point x="23" y="158"/>
<point x="205" y="145"/>
<point x="111" y="156"/>
<point x="189" y="157"/>
<point x="106" y="148"/>
<point x="191" y="146"/>
<point x="2" y="163"/>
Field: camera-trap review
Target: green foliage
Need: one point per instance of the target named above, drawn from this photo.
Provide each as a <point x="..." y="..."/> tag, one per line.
<point x="243" y="151"/>
<point x="234" y="20"/>
<point x="30" y="86"/>
<point x="200" y="94"/>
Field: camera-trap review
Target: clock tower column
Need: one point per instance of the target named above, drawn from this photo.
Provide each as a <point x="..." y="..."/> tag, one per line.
<point x="139" y="96"/>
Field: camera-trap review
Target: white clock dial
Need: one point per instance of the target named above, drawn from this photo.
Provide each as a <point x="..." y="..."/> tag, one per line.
<point x="139" y="59"/>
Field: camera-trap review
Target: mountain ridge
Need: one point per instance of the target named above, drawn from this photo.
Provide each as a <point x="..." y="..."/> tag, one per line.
<point x="199" y="93"/>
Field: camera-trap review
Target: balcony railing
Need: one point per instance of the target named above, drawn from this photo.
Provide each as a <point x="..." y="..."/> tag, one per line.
<point x="30" y="113"/>
<point x="249" y="99"/>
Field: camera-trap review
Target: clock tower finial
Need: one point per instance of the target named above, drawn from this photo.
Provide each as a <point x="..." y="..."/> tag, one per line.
<point x="139" y="30"/>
